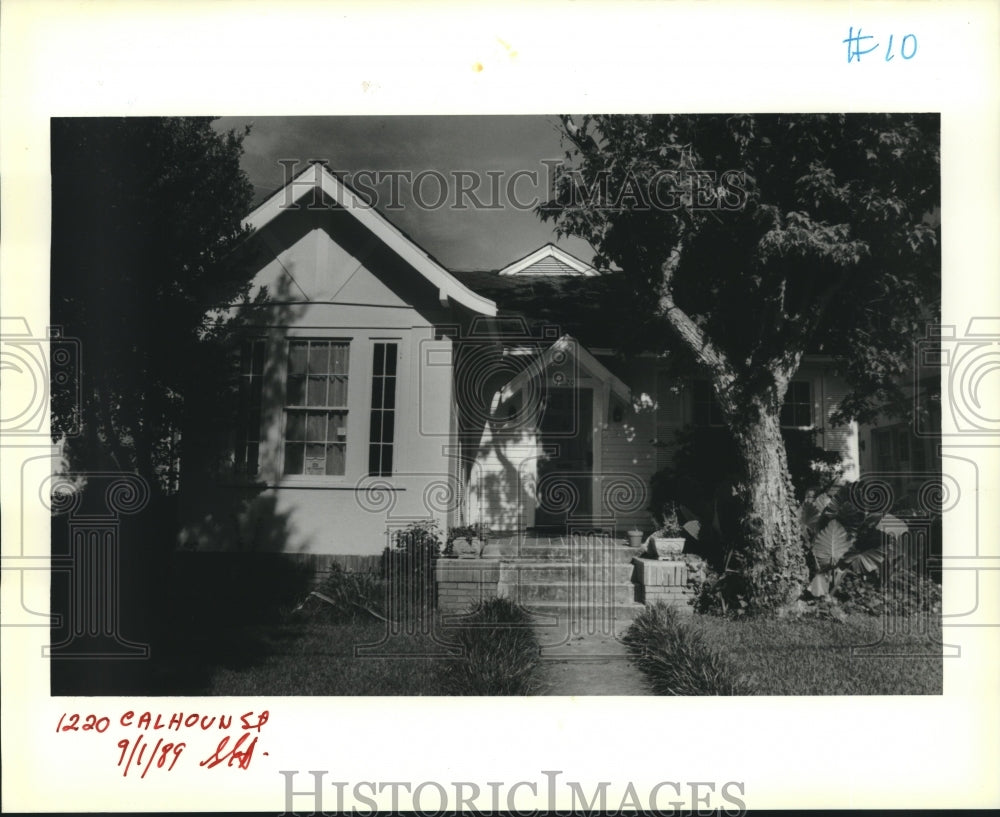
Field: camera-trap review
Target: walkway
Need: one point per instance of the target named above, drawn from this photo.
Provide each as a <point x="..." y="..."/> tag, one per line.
<point x="580" y="591"/>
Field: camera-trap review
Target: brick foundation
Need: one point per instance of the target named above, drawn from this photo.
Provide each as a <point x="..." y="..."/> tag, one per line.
<point x="463" y="583"/>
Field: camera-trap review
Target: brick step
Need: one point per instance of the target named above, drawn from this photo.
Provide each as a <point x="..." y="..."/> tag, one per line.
<point x="553" y="571"/>
<point x="577" y="592"/>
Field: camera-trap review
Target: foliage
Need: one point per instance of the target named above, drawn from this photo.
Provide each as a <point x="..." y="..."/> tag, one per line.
<point x="146" y="216"/>
<point x="500" y="652"/>
<point x="347" y="595"/>
<point x="705" y="457"/>
<point x="677" y="660"/>
<point x="409" y="568"/>
<point x="814" y="238"/>
<point x="841" y="538"/>
<point x="478" y="532"/>
<point x="861" y="562"/>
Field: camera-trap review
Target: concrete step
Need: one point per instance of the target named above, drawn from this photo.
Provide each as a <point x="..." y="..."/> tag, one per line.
<point x="563" y="571"/>
<point x="563" y="612"/>
<point x="566" y="553"/>
<point x="589" y="592"/>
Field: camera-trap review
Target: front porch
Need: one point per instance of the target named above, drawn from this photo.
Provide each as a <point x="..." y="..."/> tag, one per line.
<point x="578" y="582"/>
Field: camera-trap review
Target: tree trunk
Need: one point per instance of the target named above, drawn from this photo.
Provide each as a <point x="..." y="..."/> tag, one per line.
<point x="776" y="570"/>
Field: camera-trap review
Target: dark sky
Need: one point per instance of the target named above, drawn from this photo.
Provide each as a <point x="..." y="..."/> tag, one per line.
<point x="471" y="238"/>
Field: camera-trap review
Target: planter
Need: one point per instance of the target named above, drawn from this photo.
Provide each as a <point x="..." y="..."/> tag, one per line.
<point x="635" y="538"/>
<point x="666" y="547"/>
<point x="464" y="549"/>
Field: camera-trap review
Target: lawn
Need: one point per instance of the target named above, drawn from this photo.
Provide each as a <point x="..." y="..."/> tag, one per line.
<point x="796" y="656"/>
<point x="315" y="654"/>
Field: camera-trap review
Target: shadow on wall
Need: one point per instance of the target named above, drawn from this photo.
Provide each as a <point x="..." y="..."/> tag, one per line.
<point x="224" y="498"/>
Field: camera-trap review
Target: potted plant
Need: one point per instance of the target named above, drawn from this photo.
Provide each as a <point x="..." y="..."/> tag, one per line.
<point x="668" y="541"/>
<point x="466" y="541"/>
<point x="635" y="538"/>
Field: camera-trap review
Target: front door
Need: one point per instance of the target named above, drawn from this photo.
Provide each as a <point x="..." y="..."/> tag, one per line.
<point x="566" y="469"/>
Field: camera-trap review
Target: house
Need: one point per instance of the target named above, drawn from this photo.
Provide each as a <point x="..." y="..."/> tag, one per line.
<point x="382" y="388"/>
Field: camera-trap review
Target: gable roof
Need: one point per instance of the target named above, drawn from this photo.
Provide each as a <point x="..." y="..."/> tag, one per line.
<point x="567" y="345"/>
<point x="549" y="260"/>
<point x="317" y="177"/>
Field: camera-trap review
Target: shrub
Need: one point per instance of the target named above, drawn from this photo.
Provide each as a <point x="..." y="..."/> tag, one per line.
<point x="408" y="567"/>
<point x="862" y="560"/>
<point x="678" y="660"/>
<point x="344" y="596"/>
<point x="500" y="652"/>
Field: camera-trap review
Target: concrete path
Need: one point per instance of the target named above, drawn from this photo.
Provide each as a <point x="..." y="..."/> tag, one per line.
<point x="588" y="664"/>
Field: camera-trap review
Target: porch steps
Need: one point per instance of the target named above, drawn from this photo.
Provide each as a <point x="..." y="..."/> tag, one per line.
<point x="576" y="582"/>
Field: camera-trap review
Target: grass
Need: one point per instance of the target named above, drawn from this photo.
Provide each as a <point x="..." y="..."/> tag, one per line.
<point x="795" y="656"/>
<point x="314" y="653"/>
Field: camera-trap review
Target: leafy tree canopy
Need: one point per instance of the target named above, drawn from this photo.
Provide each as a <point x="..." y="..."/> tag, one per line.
<point x="816" y="240"/>
<point x="146" y="213"/>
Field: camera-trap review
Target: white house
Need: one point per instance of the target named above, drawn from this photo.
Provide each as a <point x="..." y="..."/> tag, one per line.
<point x="381" y="388"/>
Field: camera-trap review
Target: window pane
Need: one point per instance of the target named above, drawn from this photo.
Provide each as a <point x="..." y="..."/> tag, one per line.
<point x="319" y="358"/>
<point x="378" y="359"/>
<point x="337" y="426"/>
<point x="390" y="359"/>
<point x="315" y="459"/>
<point x="377" y="384"/>
<point x="316" y="427"/>
<point x="317" y="391"/>
<point x="376" y="427"/>
<point x="296" y="391"/>
<point x="253" y="458"/>
<point x="258" y="356"/>
<point x="335" y="459"/>
<point x="374" y="466"/>
<point x="389" y="400"/>
<point x="295" y="426"/>
<point x="293" y="458"/>
<point x="388" y="421"/>
<point x="338" y="358"/>
<point x="338" y="391"/>
<point x="386" y="460"/>
<point x="297" y="352"/>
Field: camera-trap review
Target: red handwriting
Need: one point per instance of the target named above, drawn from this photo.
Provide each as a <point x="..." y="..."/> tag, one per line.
<point x="139" y="754"/>
<point x="159" y="754"/>
<point x="234" y="755"/>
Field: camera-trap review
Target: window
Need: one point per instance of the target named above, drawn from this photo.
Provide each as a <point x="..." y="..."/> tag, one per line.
<point x="248" y="424"/>
<point x="896" y="448"/>
<point x="316" y="407"/>
<point x="383" y="416"/>
<point x="797" y="409"/>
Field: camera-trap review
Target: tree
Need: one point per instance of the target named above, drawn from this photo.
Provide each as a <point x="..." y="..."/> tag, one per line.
<point x="146" y="213"/>
<point x="815" y="240"/>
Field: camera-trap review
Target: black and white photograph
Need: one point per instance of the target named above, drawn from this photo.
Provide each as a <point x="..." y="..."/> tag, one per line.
<point x="568" y="406"/>
<point x="580" y="405"/>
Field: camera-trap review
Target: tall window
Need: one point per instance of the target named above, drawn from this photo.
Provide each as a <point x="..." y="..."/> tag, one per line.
<point x="797" y="409"/>
<point x="251" y="388"/>
<point x="316" y="407"/>
<point x="383" y="416"/>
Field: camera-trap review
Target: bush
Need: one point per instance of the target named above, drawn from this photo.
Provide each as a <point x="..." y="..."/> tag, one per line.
<point x="500" y="652"/>
<point x="408" y="567"/>
<point x="678" y="660"/>
<point x="345" y="596"/>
